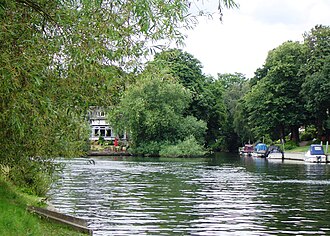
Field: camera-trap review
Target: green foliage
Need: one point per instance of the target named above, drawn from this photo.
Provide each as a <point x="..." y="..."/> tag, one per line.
<point x="183" y="66"/>
<point x="309" y="133"/>
<point x="207" y="102"/>
<point x="152" y="111"/>
<point x="187" y="70"/>
<point x="188" y="147"/>
<point x="274" y="104"/>
<point x="315" y="89"/>
<point x="151" y="148"/>
<point x="236" y="86"/>
<point x="290" y="145"/>
<point x="231" y="80"/>
<point x="190" y="126"/>
<point x="317" y="42"/>
<point x="60" y="57"/>
<point x="16" y="220"/>
<point x="33" y="175"/>
<point x="101" y="141"/>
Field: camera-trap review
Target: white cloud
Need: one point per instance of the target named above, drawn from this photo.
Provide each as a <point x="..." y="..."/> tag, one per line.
<point x="242" y="41"/>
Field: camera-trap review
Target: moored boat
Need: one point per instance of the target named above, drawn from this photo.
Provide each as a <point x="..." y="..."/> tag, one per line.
<point x="315" y="154"/>
<point x="246" y="150"/>
<point x="274" y="152"/>
<point x="260" y="150"/>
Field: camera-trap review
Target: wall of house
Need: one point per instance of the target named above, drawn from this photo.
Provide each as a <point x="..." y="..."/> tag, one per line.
<point x="100" y="127"/>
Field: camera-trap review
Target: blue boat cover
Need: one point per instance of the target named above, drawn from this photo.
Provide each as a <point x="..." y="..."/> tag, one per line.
<point x="261" y="147"/>
<point x="316" y="149"/>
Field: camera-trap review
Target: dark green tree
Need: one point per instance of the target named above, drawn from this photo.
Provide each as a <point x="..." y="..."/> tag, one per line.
<point x="211" y="105"/>
<point x="315" y="89"/>
<point x="187" y="70"/>
<point x="235" y="86"/>
<point x="207" y="99"/>
<point x="152" y="112"/>
<point x="316" y="93"/>
<point x="274" y="103"/>
<point x="237" y="131"/>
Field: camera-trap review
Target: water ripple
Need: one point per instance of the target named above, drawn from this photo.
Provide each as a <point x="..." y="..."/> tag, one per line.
<point x="191" y="198"/>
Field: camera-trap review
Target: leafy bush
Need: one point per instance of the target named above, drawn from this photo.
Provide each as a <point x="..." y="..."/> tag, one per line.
<point x="151" y="148"/>
<point x="290" y="145"/>
<point x="188" y="147"/>
<point x="309" y="133"/>
<point x="316" y="141"/>
<point x="4" y="171"/>
<point x="101" y="140"/>
<point x="33" y="176"/>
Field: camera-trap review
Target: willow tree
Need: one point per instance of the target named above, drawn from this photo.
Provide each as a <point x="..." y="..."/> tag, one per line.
<point x="152" y="112"/>
<point x="60" y="57"/>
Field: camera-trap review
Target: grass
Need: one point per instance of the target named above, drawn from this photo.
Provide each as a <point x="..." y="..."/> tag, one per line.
<point x="16" y="220"/>
<point x="305" y="149"/>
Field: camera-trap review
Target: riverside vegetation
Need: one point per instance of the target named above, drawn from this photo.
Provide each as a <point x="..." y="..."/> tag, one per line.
<point x="59" y="58"/>
<point x="16" y="220"/>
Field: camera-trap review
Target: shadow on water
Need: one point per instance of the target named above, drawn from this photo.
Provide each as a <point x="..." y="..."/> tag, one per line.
<point x="222" y="194"/>
<point x="223" y="158"/>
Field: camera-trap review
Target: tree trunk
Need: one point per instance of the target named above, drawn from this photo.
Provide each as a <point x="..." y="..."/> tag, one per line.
<point x="295" y="133"/>
<point x="282" y="134"/>
<point x="319" y="127"/>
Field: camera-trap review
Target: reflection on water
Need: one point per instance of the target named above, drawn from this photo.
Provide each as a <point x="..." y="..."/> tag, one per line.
<point x="220" y="195"/>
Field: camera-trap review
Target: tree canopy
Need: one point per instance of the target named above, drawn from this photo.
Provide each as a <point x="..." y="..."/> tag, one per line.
<point x="60" y="57"/>
<point x="274" y="104"/>
<point x="152" y="112"/>
<point x="315" y="89"/>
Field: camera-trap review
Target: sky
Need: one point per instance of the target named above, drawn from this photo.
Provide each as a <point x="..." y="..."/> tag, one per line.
<point x="241" y="42"/>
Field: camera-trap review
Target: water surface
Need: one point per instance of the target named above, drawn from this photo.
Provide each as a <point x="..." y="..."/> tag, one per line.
<point x="220" y="195"/>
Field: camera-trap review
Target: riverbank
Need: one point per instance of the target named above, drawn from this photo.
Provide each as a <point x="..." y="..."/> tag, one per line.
<point x="303" y="149"/>
<point x="298" y="153"/>
<point x="15" y="219"/>
<point x="109" y="153"/>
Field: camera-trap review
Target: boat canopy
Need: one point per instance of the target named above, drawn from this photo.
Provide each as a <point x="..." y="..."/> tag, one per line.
<point x="274" y="148"/>
<point x="261" y="147"/>
<point x="248" y="148"/>
<point x="316" y="149"/>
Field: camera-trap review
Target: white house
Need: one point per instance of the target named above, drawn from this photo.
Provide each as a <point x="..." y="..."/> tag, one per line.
<point x="100" y="127"/>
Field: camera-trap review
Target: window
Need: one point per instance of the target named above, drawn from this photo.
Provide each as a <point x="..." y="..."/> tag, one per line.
<point x="102" y="131"/>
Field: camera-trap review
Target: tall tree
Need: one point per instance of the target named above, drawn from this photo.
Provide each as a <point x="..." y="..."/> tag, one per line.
<point x="211" y="105"/>
<point x="152" y="112"/>
<point x="274" y="102"/>
<point x="316" y="92"/>
<point x="235" y="87"/>
<point x="186" y="69"/>
<point x="207" y="99"/>
<point x="316" y="85"/>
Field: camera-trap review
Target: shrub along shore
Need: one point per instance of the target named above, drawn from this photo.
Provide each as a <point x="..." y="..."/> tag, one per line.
<point x="15" y="219"/>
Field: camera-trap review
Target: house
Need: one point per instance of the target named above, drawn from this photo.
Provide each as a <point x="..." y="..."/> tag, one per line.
<point x="100" y="126"/>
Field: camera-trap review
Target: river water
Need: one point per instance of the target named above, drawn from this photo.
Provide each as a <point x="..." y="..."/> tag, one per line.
<point x="223" y="194"/>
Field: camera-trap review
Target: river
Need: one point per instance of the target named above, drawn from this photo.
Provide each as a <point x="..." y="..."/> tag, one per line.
<point x="223" y="194"/>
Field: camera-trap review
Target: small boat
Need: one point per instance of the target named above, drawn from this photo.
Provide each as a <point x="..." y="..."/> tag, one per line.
<point x="274" y="152"/>
<point x="315" y="154"/>
<point x="260" y="150"/>
<point x="246" y="150"/>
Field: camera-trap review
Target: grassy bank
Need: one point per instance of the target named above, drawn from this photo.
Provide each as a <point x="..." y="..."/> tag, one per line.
<point x="305" y="149"/>
<point x="16" y="220"/>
